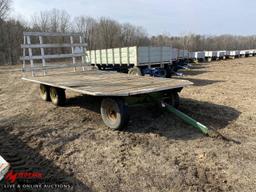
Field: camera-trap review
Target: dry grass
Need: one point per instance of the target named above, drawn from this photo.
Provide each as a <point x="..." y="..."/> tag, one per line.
<point x="158" y="152"/>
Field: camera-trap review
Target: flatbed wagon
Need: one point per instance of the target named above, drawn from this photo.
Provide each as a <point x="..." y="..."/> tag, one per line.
<point x="116" y="90"/>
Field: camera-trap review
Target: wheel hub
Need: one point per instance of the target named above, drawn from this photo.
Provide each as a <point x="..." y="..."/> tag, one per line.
<point x="112" y="115"/>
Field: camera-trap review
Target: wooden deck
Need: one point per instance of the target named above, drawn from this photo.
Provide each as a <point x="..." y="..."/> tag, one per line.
<point x="102" y="83"/>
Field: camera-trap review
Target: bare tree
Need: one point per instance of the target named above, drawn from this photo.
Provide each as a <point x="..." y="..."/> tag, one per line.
<point x="53" y="21"/>
<point x="41" y="22"/>
<point x="104" y="33"/>
<point x="88" y="26"/>
<point x="132" y="35"/>
<point x="5" y="6"/>
<point x="11" y="38"/>
<point x="109" y="33"/>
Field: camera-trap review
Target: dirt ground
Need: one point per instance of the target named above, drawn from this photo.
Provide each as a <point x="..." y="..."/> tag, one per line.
<point x="157" y="152"/>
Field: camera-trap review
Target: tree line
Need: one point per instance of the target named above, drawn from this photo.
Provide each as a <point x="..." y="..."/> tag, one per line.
<point x="103" y="33"/>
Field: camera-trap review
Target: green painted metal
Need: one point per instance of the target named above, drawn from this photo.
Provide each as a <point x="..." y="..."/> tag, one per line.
<point x="188" y="119"/>
<point x="157" y="98"/>
<point x="144" y="99"/>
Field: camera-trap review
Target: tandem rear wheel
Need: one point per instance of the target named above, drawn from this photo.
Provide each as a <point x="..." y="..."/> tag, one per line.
<point x="44" y="92"/>
<point x="56" y="95"/>
<point x="114" y="110"/>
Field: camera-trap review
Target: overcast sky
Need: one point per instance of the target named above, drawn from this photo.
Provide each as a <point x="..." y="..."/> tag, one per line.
<point x="173" y="17"/>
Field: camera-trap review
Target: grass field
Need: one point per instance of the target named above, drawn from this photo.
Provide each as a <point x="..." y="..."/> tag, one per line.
<point x="158" y="152"/>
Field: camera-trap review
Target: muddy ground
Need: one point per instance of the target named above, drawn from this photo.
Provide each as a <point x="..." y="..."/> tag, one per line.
<point x="158" y="152"/>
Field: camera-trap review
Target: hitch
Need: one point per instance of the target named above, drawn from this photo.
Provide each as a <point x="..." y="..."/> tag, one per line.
<point x="186" y="118"/>
<point x="211" y="132"/>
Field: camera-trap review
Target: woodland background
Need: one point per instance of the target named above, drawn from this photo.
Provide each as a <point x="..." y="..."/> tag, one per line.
<point x="102" y="33"/>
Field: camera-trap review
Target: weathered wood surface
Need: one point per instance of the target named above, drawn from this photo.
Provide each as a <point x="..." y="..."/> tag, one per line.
<point x="99" y="83"/>
<point x="77" y="51"/>
<point x="51" y="34"/>
<point x="56" y="45"/>
<point x="59" y="56"/>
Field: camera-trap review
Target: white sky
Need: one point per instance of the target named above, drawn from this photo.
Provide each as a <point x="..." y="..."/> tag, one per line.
<point x="174" y="17"/>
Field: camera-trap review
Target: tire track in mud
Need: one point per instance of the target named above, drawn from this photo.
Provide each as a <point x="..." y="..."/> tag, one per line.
<point x="14" y="92"/>
<point x="19" y="156"/>
<point x="25" y="159"/>
<point x="198" y="176"/>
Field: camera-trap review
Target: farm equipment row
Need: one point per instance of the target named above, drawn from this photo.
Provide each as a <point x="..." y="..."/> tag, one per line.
<point x="155" y="61"/>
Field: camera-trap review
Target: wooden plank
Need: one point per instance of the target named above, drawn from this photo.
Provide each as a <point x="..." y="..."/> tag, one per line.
<point x="91" y="90"/>
<point x="122" y="87"/>
<point x="101" y="76"/>
<point x="50" y="34"/>
<point x="136" y="57"/>
<point x="87" y="77"/>
<point x="42" y="53"/>
<point x="59" y="56"/>
<point x="113" y="56"/>
<point x="83" y="50"/>
<point x="109" y="84"/>
<point x="30" y="55"/>
<point x="24" y="53"/>
<point x="52" y="66"/>
<point x="120" y="56"/>
<point x="72" y="51"/>
<point x="34" y="46"/>
<point x="128" y="55"/>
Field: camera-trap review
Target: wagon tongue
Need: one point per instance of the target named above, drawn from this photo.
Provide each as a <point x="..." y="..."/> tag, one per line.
<point x="209" y="131"/>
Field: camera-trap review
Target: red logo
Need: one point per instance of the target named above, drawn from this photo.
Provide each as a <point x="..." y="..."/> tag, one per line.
<point x="11" y="176"/>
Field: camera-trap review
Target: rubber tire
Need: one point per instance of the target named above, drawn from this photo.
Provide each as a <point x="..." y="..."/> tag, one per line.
<point x="174" y="100"/>
<point x="119" y="110"/>
<point x="135" y="71"/>
<point x="44" y="92"/>
<point x="168" y="73"/>
<point x="58" y="96"/>
<point x="165" y="73"/>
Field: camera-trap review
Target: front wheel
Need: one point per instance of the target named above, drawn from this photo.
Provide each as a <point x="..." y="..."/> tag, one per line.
<point x="114" y="113"/>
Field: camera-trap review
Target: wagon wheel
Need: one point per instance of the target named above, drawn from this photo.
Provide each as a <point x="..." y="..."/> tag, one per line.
<point x="57" y="96"/>
<point x="135" y="71"/>
<point x="169" y="73"/>
<point x="44" y="92"/>
<point x="163" y="73"/>
<point x="174" y="100"/>
<point x="114" y="113"/>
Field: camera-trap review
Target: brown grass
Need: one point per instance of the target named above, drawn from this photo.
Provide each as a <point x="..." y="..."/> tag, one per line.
<point x="158" y="152"/>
